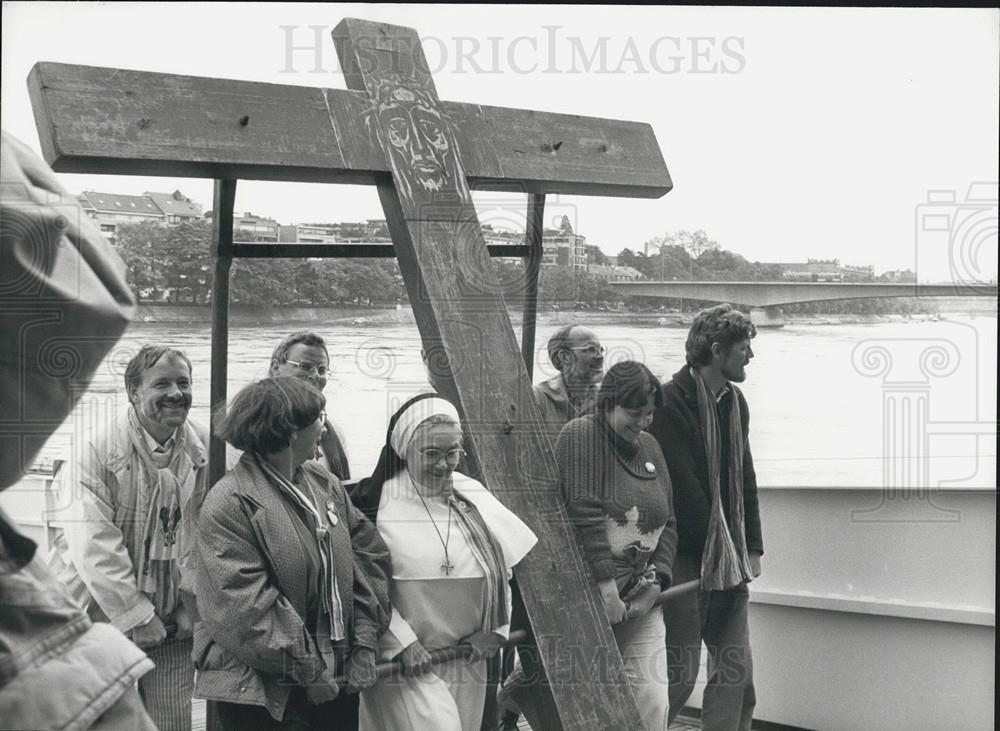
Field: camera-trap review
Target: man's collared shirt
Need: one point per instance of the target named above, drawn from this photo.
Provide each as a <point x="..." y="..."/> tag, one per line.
<point x="160" y="453"/>
<point x="722" y="391"/>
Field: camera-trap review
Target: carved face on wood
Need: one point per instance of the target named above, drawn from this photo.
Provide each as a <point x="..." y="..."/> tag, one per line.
<point x="420" y="153"/>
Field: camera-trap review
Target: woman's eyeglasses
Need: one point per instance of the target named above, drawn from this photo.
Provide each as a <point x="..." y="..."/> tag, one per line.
<point x="309" y="367"/>
<point x="433" y="455"/>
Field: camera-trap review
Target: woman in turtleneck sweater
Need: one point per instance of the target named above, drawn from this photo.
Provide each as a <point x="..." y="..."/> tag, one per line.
<point x="615" y="483"/>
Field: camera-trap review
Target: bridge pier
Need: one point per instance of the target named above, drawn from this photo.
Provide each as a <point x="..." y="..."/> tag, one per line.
<point x="767" y="316"/>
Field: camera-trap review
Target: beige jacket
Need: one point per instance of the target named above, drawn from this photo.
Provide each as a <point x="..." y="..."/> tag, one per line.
<point x="103" y="525"/>
<point x="557" y="410"/>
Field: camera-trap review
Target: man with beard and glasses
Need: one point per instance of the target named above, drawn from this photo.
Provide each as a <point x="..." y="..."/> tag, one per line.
<point x="702" y="429"/>
<point x="130" y="534"/>
<point x="578" y="355"/>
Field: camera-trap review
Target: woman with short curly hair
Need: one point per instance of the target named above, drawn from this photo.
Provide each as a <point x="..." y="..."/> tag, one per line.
<point x="291" y="578"/>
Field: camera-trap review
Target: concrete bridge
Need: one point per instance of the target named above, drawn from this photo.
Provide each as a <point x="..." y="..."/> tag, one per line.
<point x="765" y="298"/>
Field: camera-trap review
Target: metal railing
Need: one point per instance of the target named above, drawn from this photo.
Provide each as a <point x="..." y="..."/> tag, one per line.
<point x="393" y="668"/>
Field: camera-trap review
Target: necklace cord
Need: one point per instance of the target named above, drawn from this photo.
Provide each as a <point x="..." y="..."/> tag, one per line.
<point x="444" y="540"/>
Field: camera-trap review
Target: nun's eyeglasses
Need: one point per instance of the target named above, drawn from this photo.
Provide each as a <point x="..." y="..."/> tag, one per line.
<point x="433" y="455"/>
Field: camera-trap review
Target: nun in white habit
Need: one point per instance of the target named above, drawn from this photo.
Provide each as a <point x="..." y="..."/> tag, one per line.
<point x="453" y="545"/>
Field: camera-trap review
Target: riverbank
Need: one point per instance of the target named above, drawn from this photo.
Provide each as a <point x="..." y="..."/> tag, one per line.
<point x="245" y="316"/>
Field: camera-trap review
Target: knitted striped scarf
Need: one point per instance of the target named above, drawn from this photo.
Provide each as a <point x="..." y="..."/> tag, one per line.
<point x="329" y="593"/>
<point x="166" y="533"/>
<point x="725" y="562"/>
<point x="490" y="557"/>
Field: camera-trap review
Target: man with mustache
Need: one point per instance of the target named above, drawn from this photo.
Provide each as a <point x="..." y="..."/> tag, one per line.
<point x="578" y="355"/>
<point x="702" y="429"/>
<point x="132" y="529"/>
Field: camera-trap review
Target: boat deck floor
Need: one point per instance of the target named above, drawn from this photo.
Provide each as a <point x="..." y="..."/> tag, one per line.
<point x="683" y="723"/>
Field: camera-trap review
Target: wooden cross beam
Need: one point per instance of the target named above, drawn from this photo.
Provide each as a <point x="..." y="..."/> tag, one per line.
<point x="423" y="155"/>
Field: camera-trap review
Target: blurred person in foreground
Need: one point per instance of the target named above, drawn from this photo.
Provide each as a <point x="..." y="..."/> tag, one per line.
<point x="61" y="281"/>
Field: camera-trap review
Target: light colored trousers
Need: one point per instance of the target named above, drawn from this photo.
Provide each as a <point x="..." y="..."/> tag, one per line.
<point x="166" y="691"/>
<point x="642" y="644"/>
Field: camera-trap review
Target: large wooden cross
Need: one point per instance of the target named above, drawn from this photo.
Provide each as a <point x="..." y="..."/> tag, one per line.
<point x="391" y="130"/>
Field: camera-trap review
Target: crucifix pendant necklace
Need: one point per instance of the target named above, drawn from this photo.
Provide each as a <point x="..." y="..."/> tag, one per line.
<point x="447" y="566"/>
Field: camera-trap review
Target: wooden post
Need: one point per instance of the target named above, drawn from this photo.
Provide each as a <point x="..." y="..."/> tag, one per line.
<point x="222" y="254"/>
<point x="534" y="231"/>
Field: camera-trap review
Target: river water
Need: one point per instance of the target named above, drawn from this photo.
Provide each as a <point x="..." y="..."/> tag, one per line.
<point x="861" y="405"/>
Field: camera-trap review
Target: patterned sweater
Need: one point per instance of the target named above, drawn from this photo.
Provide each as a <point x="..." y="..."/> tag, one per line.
<point x="618" y="496"/>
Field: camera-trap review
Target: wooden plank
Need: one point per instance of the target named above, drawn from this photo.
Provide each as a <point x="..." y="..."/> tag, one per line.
<point x="258" y="250"/>
<point x="101" y="120"/>
<point x="457" y="301"/>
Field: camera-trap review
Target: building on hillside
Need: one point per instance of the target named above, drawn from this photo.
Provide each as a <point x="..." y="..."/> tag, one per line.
<point x="902" y="276"/>
<point x="811" y="271"/>
<point x="851" y="273"/>
<point x="373" y="230"/>
<point x="247" y="226"/>
<point x="176" y="206"/>
<point x="830" y="270"/>
<point x="560" y="247"/>
<point x="614" y="273"/>
<point x="309" y="233"/>
<point x="563" y="247"/>
<point x="110" y="210"/>
<point x="502" y="237"/>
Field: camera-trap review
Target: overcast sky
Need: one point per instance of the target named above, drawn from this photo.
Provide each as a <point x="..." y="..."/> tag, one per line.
<point x="789" y="133"/>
